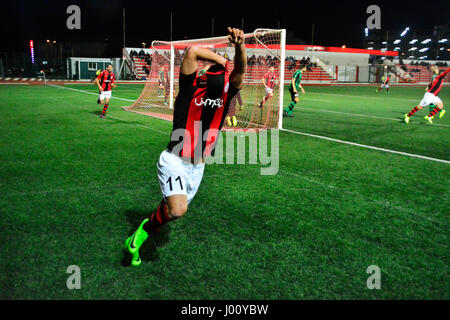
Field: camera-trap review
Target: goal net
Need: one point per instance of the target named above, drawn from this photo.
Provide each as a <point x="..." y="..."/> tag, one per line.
<point x="264" y="48"/>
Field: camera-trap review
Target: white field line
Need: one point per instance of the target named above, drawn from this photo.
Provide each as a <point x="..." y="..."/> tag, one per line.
<point x="109" y="117"/>
<point x="365" y="97"/>
<point x="321" y="100"/>
<point x="94" y="90"/>
<point x="353" y="114"/>
<point x="15" y="83"/>
<point x="367" y="147"/>
<point x="366" y="116"/>
<point x="85" y="91"/>
<point x="300" y="133"/>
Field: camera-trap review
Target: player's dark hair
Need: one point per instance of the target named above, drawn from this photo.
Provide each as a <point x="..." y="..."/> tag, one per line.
<point x="216" y="67"/>
<point x="109" y="65"/>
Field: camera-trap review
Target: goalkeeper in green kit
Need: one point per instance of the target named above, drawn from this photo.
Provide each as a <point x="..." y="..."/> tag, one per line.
<point x="293" y="89"/>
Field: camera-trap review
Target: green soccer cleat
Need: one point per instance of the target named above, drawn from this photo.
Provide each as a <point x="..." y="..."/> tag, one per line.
<point x="406" y="118"/>
<point x="429" y="119"/>
<point x="134" y="242"/>
<point x="441" y="114"/>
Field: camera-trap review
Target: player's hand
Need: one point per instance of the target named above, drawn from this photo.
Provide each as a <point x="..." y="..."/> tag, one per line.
<point x="303" y="91"/>
<point x="113" y="85"/>
<point x="100" y="89"/>
<point x="235" y="36"/>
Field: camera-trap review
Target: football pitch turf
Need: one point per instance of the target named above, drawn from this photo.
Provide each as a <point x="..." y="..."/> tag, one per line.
<point x="74" y="187"/>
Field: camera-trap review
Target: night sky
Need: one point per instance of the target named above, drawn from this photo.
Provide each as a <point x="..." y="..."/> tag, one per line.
<point x="336" y="22"/>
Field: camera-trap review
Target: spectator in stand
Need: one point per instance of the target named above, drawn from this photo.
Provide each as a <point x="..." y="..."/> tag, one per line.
<point x="252" y="60"/>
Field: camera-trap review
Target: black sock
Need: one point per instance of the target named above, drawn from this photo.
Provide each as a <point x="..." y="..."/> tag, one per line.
<point x="158" y="218"/>
<point x="104" y="109"/>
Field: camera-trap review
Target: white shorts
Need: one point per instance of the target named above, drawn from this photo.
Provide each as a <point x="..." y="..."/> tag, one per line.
<point x="268" y="90"/>
<point x="428" y="99"/>
<point x="385" y="86"/>
<point x="178" y="177"/>
<point x="105" y="95"/>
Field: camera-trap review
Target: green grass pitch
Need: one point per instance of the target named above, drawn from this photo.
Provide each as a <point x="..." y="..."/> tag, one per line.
<point x="73" y="187"/>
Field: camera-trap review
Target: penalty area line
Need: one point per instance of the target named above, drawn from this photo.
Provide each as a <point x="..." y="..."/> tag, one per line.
<point x="367" y="146"/>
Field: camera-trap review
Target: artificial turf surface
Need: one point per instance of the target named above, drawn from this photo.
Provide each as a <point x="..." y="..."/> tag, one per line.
<point x="73" y="187"/>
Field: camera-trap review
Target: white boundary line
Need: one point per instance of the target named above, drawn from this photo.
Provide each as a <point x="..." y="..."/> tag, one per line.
<point x="365" y="97"/>
<point x="84" y="91"/>
<point x="356" y="114"/>
<point x="367" y="147"/>
<point x="304" y="134"/>
<point x="15" y="83"/>
<point x="367" y="116"/>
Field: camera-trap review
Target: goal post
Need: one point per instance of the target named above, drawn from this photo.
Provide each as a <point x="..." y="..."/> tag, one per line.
<point x="282" y="70"/>
<point x="265" y="48"/>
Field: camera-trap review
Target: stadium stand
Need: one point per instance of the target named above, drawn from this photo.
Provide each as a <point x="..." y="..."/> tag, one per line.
<point x="421" y="73"/>
<point x="255" y="72"/>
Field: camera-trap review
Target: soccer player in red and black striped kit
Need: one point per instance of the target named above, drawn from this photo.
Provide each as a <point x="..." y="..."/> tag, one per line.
<point x="105" y="83"/>
<point x="270" y="80"/>
<point x="431" y="96"/>
<point x="385" y="84"/>
<point x="200" y="109"/>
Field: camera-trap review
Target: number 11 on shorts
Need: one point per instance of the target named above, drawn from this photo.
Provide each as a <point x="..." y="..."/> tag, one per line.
<point x="169" y="181"/>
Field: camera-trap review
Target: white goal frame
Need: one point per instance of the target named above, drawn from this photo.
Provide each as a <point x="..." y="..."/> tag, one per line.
<point x="210" y="43"/>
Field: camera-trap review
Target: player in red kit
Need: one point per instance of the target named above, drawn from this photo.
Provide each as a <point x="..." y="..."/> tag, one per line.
<point x="105" y="83"/>
<point x="431" y="96"/>
<point x="385" y="84"/>
<point x="270" y="80"/>
<point x="199" y="113"/>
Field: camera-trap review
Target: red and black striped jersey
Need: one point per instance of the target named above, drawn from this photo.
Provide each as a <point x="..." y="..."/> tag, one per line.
<point x="106" y="79"/>
<point x="387" y="80"/>
<point x="435" y="86"/>
<point x="270" y="79"/>
<point x="200" y="109"/>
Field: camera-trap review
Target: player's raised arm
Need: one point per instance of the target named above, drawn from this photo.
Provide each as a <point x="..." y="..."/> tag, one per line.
<point x="236" y="37"/>
<point x="443" y="74"/>
<point x="193" y="54"/>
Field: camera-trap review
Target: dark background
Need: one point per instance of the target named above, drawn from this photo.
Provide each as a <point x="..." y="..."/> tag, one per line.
<point x="336" y="22"/>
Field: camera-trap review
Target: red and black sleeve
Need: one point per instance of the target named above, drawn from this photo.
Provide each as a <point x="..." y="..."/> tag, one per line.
<point x="443" y="74"/>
